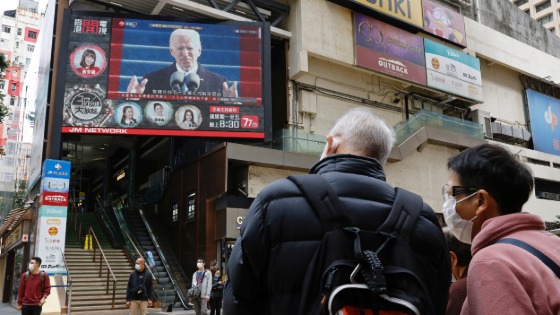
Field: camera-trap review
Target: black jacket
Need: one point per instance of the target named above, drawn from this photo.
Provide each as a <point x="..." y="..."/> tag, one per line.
<point x="159" y="80"/>
<point x="280" y="234"/>
<point x="140" y="281"/>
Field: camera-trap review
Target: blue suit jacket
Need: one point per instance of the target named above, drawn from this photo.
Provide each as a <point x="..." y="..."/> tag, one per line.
<point x="159" y="80"/>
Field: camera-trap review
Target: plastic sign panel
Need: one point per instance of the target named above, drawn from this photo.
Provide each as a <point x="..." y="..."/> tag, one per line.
<point x="544" y="112"/>
<point x="444" y="22"/>
<point x="408" y="11"/>
<point x="453" y="71"/>
<point x="53" y="208"/>
<point x="390" y="50"/>
<point x="148" y="76"/>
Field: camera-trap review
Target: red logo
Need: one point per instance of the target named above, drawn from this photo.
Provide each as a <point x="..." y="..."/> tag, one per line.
<point x="54" y="199"/>
<point x="251" y="122"/>
<point x="53" y="230"/>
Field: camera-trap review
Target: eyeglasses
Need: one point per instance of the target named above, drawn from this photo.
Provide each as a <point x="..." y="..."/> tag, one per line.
<point x="449" y="191"/>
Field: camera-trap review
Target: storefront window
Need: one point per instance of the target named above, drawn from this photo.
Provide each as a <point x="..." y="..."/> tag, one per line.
<point x="17" y="275"/>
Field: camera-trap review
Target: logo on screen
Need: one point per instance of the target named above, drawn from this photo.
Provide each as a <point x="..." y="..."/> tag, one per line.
<point x="550" y="118"/>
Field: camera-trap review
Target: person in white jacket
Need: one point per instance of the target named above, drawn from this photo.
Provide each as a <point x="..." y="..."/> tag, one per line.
<point x="202" y="278"/>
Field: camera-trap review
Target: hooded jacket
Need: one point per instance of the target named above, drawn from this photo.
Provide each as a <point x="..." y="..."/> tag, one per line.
<point x="506" y="279"/>
<point x="281" y="232"/>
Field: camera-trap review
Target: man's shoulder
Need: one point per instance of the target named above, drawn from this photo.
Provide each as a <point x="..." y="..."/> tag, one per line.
<point x="203" y="72"/>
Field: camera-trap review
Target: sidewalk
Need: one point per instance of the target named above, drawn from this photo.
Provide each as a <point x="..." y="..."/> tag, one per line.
<point x="6" y="309"/>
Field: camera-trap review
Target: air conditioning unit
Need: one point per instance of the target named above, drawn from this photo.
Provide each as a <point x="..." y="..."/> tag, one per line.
<point x="483" y="118"/>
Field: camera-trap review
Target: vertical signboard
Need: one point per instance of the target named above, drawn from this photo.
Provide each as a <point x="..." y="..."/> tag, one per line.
<point x="53" y="210"/>
<point x="544" y="111"/>
<point x="390" y="50"/>
<point x="453" y="71"/>
<point x="444" y="22"/>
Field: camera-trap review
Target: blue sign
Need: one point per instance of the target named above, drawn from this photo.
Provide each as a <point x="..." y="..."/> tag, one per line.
<point x="56" y="169"/>
<point x="544" y="112"/>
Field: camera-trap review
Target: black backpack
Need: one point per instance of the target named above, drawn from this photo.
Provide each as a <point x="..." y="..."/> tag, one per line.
<point x="355" y="271"/>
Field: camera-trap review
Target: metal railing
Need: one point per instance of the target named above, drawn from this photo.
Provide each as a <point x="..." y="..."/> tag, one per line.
<point x="103" y="258"/>
<point x="173" y="276"/>
<point x="68" y="301"/>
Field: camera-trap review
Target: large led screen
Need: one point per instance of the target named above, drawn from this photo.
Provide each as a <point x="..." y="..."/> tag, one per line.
<point x="149" y="76"/>
<point x="544" y="111"/>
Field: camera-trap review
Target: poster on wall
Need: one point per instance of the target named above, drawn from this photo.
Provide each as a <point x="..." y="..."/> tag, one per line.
<point x="544" y="112"/>
<point x="453" y="71"/>
<point x="390" y="50"/>
<point x="53" y="211"/>
<point x="148" y="76"/>
<point x="444" y="22"/>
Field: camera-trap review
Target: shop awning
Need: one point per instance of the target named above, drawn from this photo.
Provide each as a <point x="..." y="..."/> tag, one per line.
<point x="13" y="218"/>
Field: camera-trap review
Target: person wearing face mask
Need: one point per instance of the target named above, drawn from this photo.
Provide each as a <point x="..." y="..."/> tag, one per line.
<point x="460" y="254"/>
<point x="202" y="278"/>
<point x="281" y="231"/>
<point x="485" y="193"/>
<point x="217" y="293"/>
<point x="139" y="290"/>
<point x="34" y="288"/>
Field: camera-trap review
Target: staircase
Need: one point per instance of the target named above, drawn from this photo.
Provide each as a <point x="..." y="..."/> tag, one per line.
<point x="164" y="289"/>
<point x="89" y="289"/>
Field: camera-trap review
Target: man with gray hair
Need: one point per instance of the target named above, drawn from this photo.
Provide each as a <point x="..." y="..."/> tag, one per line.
<point x="281" y="231"/>
<point x="186" y="75"/>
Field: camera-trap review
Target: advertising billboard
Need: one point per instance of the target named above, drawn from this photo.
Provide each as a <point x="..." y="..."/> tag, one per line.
<point x="453" y="71"/>
<point x="543" y="112"/>
<point x="407" y="11"/>
<point x="53" y="211"/>
<point x="151" y="76"/>
<point x="390" y="50"/>
<point x="444" y="22"/>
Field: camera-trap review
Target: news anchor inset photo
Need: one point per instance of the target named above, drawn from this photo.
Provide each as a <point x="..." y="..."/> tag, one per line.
<point x="159" y="113"/>
<point x="88" y="61"/>
<point x="188" y="117"/>
<point x="186" y="75"/>
<point x="128" y="115"/>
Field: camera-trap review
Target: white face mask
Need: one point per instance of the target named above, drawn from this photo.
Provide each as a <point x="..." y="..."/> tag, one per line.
<point x="200" y="265"/>
<point x="461" y="229"/>
<point x="31" y="266"/>
<point x="137" y="267"/>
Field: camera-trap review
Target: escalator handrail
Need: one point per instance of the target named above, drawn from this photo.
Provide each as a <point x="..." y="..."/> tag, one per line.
<point x="180" y="293"/>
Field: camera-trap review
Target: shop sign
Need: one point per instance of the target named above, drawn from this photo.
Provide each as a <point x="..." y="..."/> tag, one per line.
<point x="13" y="237"/>
<point x="408" y="11"/>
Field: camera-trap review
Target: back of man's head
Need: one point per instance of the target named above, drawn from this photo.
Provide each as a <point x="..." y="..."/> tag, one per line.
<point x="461" y="250"/>
<point x="364" y="133"/>
<point x="494" y="169"/>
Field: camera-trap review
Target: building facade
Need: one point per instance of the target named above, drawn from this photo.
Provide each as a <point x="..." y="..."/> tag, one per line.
<point x="545" y="12"/>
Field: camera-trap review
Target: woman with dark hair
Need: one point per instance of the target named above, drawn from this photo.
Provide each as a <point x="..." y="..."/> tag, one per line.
<point x="188" y="119"/>
<point x="217" y="294"/>
<point x="460" y="254"/>
<point x="87" y="64"/>
<point x="127" y="118"/>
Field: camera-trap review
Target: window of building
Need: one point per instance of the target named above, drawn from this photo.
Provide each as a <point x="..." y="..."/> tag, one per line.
<point x="542" y="6"/>
<point x="13" y="87"/>
<point x="11" y="148"/>
<point x="19" y="31"/>
<point x="175" y="213"/>
<point x="191" y="207"/>
<point x="32" y="34"/>
<point x="6" y="28"/>
<point x="12" y="101"/>
<point x="27" y="61"/>
<point x="521" y="2"/>
<point x="17" y="44"/>
<point x="30" y="48"/>
<point x="2" y="84"/>
<point x="545" y="19"/>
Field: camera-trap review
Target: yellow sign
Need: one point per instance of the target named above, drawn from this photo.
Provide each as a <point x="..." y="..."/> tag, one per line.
<point x="409" y="11"/>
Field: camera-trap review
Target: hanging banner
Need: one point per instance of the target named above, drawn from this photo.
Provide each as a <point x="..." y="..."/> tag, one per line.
<point x="53" y="211"/>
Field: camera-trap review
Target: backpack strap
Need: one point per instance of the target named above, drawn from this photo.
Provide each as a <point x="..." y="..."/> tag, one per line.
<point x="323" y="200"/>
<point x="404" y="214"/>
<point x="537" y="253"/>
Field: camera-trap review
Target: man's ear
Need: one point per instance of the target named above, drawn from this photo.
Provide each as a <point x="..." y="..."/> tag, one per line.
<point x="332" y="145"/>
<point x="486" y="204"/>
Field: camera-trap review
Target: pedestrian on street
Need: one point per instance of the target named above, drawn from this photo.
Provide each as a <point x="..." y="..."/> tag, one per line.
<point x="202" y="278"/>
<point x="149" y="258"/>
<point x="217" y="293"/>
<point x="139" y="290"/>
<point x="34" y="288"/>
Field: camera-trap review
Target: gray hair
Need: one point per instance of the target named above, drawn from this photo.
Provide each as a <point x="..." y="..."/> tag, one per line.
<point x="192" y="34"/>
<point x="365" y="133"/>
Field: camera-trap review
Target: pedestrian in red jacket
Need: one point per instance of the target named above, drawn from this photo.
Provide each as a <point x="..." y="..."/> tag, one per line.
<point x="34" y="288"/>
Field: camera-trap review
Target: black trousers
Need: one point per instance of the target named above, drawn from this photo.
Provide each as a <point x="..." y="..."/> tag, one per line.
<point x="31" y="310"/>
<point x="215" y="306"/>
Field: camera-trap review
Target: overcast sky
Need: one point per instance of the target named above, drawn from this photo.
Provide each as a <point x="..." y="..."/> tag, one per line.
<point x="12" y="4"/>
